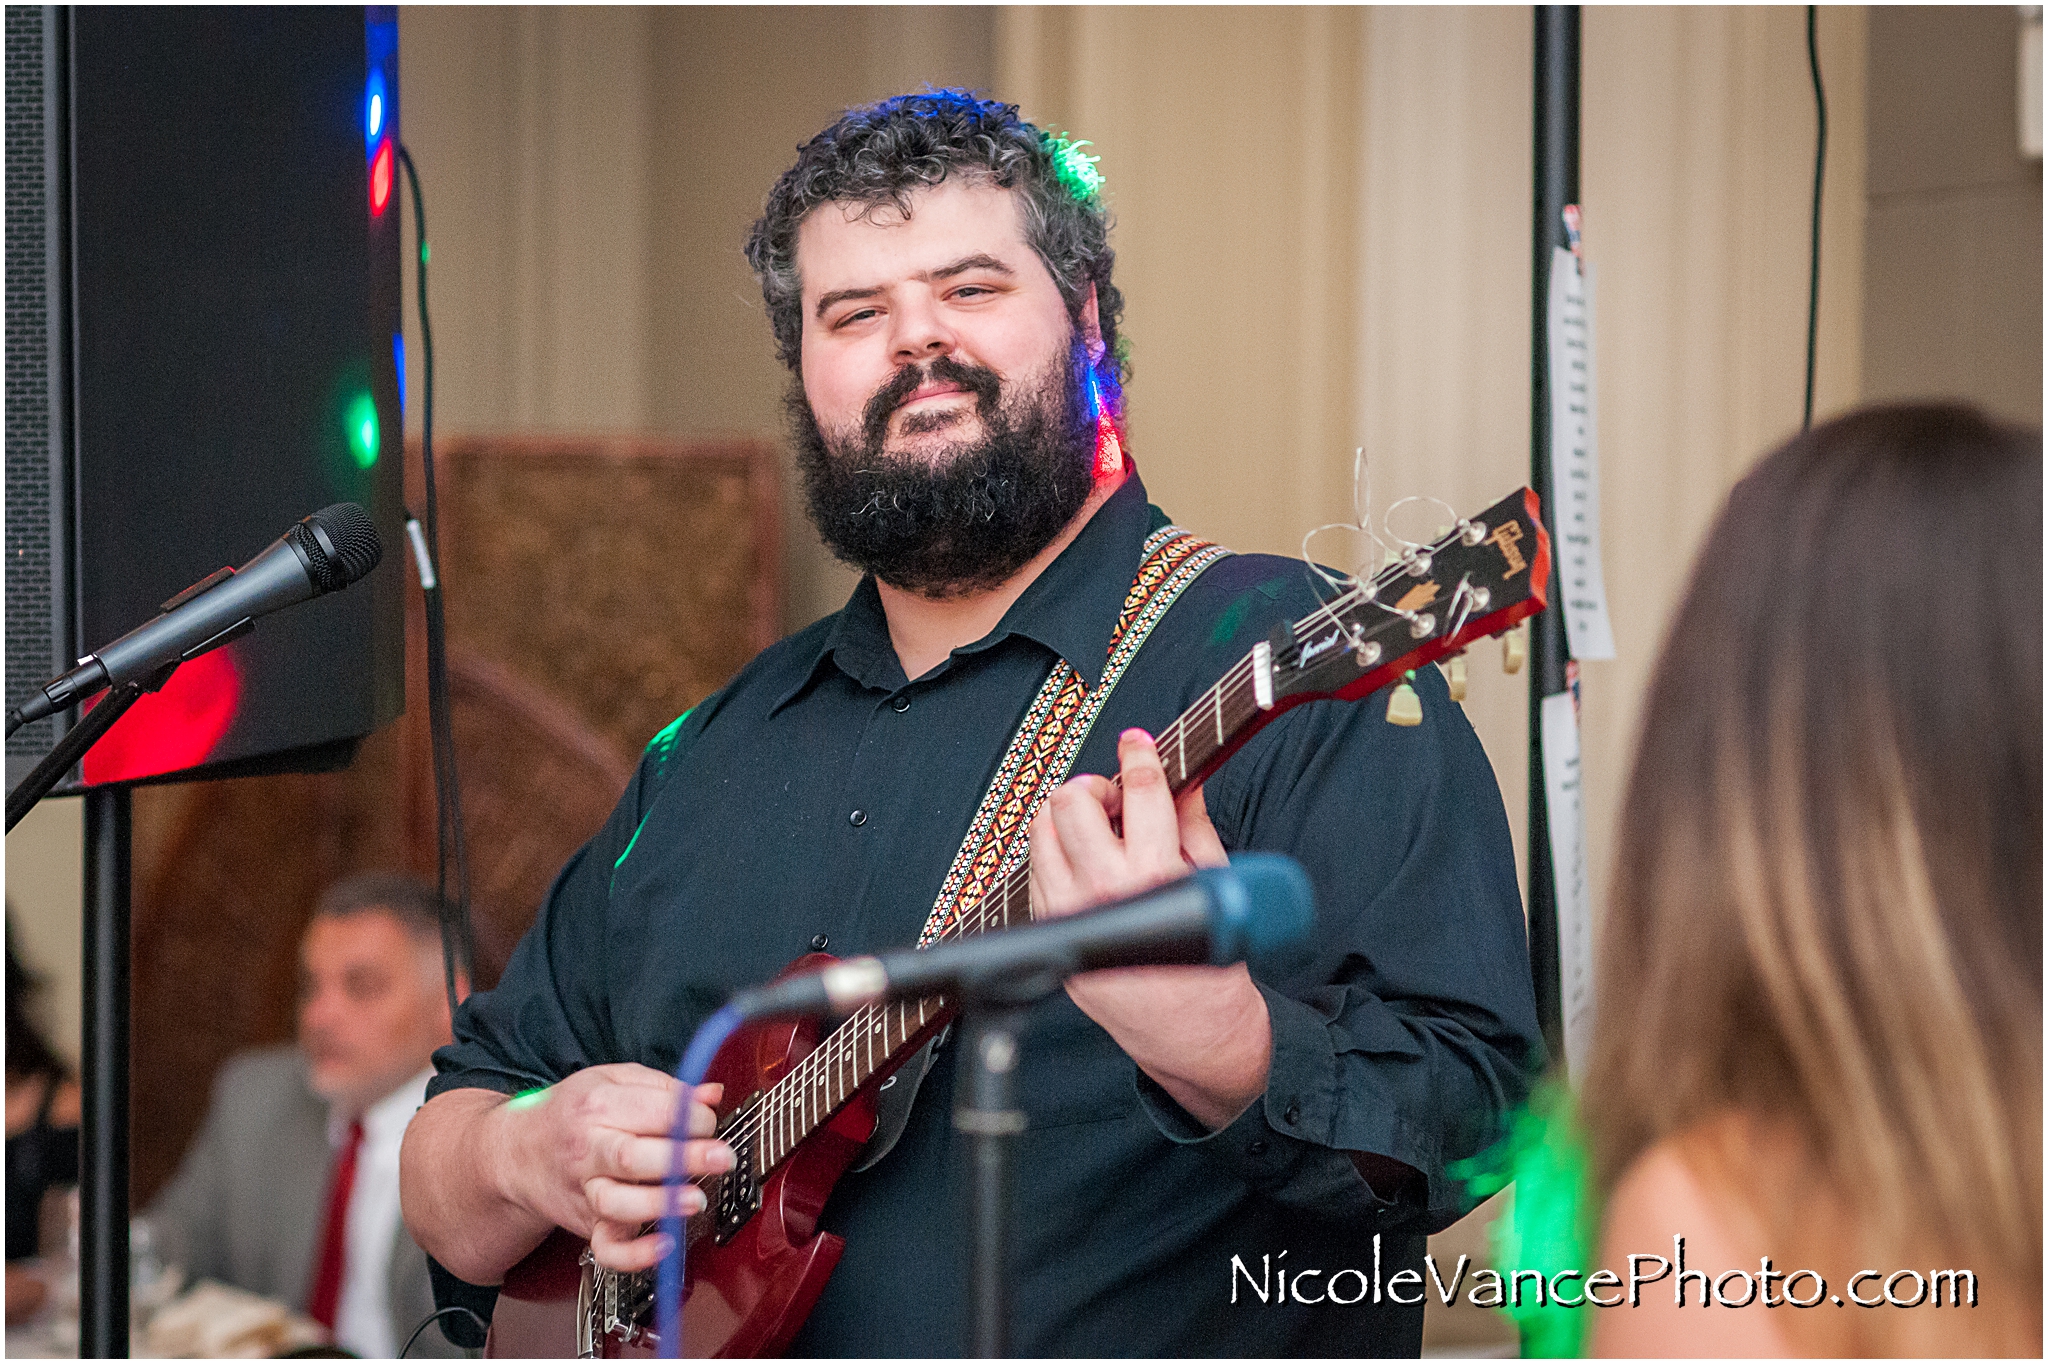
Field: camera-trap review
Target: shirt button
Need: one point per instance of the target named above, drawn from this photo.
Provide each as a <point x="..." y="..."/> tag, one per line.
<point x="1292" y="1115"/>
<point x="818" y="943"/>
<point x="900" y="704"/>
<point x="1257" y="1148"/>
<point x="857" y="818"/>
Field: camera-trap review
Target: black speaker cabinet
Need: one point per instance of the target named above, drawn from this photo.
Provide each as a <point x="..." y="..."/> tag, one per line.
<point x="203" y="346"/>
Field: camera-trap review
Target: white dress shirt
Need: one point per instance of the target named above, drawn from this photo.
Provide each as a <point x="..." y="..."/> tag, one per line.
<point x="362" y="1317"/>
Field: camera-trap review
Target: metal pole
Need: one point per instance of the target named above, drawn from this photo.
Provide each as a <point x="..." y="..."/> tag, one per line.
<point x="990" y="1118"/>
<point x="1557" y="184"/>
<point x="103" y="1155"/>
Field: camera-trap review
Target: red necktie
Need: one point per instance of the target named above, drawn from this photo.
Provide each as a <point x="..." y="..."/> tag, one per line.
<point x="327" y="1276"/>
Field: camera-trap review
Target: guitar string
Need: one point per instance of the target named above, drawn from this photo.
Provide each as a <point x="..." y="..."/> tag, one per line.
<point x="824" y="1064"/>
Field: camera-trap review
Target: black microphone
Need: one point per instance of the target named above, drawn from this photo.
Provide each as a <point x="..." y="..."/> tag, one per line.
<point x="1219" y="915"/>
<point x="323" y="553"/>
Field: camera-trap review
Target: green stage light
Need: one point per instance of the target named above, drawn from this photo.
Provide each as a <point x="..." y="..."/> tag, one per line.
<point x="363" y="433"/>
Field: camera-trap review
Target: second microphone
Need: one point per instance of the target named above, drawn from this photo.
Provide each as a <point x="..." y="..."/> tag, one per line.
<point x="1260" y="903"/>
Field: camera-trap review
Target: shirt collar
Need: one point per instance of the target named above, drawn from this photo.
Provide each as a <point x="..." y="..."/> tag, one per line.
<point x="1071" y="608"/>
<point x="385" y="1119"/>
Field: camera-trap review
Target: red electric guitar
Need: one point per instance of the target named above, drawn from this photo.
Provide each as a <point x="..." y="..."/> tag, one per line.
<point x="797" y="1113"/>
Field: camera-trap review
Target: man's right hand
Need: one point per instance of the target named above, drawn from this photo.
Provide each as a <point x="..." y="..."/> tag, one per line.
<point x="483" y="1178"/>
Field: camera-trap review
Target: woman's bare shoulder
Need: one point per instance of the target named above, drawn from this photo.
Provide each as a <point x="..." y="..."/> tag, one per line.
<point x="1662" y="1215"/>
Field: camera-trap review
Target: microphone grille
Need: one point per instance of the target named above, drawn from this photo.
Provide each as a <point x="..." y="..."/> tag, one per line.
<point x="349" y="533"/>
<point x="1273" y="909"/>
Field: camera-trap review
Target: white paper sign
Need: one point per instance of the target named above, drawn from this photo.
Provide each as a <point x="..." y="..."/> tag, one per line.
<point x="1568" y="869"/>
<point x="1574" y="460"/>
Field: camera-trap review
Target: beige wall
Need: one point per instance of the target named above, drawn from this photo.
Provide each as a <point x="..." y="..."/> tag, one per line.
<point x="46" y="905"/>
<point x="1953" y="289"/>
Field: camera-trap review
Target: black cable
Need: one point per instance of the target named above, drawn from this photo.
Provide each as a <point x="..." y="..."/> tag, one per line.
<point x="1820" y="161"/>
<point x="457" y="943"/>
<point x="433" y="1317"/>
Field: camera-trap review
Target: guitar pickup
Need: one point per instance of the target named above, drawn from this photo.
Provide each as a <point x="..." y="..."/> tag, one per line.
<point x="739" y="1189"/>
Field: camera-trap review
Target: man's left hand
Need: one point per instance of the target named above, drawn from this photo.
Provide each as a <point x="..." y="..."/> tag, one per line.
<point x="1202" y="1032"/>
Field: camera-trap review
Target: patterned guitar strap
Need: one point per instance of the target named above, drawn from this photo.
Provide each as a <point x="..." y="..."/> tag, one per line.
<point x="1038" y="759"/>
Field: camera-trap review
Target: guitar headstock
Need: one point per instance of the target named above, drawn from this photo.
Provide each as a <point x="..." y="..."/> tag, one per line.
<point x="1481" y="577"/>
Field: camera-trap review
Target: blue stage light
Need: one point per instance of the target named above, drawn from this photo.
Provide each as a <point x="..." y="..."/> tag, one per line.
<point x="373" y="108"/>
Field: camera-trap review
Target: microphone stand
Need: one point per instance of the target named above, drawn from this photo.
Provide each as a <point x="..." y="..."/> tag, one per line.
<point x="992" y="1011"/>
<point x="69" y="749"/>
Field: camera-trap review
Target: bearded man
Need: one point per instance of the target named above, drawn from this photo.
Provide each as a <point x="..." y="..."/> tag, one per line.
<point x="938" y="276"/>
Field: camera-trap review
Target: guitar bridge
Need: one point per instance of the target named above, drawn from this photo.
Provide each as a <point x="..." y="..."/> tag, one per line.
<point x="739" y="1189"/>
<point x="612" y="1306"/>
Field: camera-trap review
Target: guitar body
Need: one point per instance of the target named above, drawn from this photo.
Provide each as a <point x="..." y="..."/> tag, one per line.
<point x="743" y="1297"/>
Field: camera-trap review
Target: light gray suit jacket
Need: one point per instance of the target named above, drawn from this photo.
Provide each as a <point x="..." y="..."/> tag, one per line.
<point x="247" y="1202"/>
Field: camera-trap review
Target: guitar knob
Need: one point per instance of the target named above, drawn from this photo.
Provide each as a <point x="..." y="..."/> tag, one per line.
<point x="1404" y="707"/>
<point x="1513" y="649"/>
<point x="1454" y="673"/>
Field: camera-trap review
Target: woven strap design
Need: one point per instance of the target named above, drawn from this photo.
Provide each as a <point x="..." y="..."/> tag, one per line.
<point x="1051" y="734"/>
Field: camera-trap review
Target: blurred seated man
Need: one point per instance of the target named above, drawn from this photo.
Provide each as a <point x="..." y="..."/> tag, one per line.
<point x="291" y="1188"/>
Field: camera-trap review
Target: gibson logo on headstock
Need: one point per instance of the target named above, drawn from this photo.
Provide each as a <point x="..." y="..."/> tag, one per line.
<point x="1504" y="539"/>
<point x="1418" y="596"/>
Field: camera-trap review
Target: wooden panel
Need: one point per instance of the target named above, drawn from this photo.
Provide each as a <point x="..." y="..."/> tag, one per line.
<point x="631" y="578"/>
<point x="537" y="782"/>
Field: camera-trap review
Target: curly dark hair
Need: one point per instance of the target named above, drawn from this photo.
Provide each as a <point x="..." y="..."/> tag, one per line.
<point x="880" y="153"/>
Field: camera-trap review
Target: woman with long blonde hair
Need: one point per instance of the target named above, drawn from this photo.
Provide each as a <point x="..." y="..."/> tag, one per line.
<point x="1819" y="1030"/>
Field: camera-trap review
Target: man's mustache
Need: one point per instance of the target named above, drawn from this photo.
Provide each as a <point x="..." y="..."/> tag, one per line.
<point x="984" y="384"/>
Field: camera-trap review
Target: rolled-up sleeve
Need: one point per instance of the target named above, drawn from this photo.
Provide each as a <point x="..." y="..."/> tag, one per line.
<point x="1409" y="1030"/>
<point x="547" y="1016"/>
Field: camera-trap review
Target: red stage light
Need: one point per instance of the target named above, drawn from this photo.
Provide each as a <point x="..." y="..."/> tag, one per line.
<point x="380" y="179"/>
<point x="173" y="729"/>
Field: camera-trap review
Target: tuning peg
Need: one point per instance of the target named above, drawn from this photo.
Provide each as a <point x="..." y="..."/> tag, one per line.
<point x="1514" y="647"/>
<point x="1454" y="673"/>
<point x="1404" y="707"/>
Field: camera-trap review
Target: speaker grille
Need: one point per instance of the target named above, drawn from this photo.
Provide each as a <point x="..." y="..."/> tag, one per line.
<point x="31" y="642"/>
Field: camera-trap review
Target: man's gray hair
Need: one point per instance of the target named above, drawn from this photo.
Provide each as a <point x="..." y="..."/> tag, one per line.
<point x="406" y="899"/>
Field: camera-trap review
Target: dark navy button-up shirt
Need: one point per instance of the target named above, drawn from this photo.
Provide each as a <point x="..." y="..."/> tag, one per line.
<point x="822" y="795"/>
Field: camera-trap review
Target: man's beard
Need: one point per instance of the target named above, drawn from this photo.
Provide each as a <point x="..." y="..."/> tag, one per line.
<point x="958" y="519"/>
